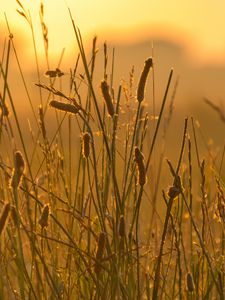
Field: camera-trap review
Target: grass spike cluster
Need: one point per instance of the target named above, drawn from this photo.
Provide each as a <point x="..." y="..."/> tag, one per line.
<point x="83" y="221"/>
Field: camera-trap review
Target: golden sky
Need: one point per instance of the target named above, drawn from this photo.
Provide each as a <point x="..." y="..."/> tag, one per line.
<point x="198" y="24"/>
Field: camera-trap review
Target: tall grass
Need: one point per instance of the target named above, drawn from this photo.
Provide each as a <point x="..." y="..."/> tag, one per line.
<point x="83" y="213"/>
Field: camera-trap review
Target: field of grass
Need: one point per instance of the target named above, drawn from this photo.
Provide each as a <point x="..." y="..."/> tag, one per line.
<point x="90" y="208"/>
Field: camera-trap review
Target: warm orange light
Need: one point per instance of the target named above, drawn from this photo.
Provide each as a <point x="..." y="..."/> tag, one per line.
<point x="199" y="25"/>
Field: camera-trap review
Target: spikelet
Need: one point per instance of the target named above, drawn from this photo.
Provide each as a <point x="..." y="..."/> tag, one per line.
<point x="220" y="211"/>
<point x="41" y="121"/>
<point x="59" y="72"/>
<point x="173" y="192"/>
<point x="43" y="221"/>
<point x="139" y="159"/>
<point x="143" y="79"/>
<point x="190" y="283"/>
<point x="176" y="189"/>
<point x="51" y="73"/>
<point x="122" y="229"/>
<point x="220" y="205"/>
<point x="4" y="216"/>
<point x="107" y="97"/>
<point x="86" y="144"/>
<point x="70" y="108"/>
<point x="18" y="171"/>
<point x="100" y="251"/>
<point x="54" y="73"/>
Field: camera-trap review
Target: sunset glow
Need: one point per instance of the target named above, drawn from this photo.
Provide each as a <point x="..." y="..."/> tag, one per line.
<point x="112" y="150"/>
<point x="198" y="25"/>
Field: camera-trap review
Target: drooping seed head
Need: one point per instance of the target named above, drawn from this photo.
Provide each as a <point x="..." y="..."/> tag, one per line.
<point x="18" y="171"/>
<point x="59" y="72"/>
<point x="54" y="73"/>
<point x="43" y="221"/>
<point x="143" y="79"/>
<point x="66" y="107"/>
<point x="4" y="216"/>
<point x="86" y="144"/>
<point x="107" y="97"/>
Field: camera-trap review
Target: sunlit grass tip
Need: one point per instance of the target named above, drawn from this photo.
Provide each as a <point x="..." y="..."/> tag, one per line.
<point x="143" y="78"/>
<point x="18" y="170"/>
<point x="139" y="159"/>
<point x="43" y="221"/>
<point x="86" y="144"/>
<point x="107" y="97"/>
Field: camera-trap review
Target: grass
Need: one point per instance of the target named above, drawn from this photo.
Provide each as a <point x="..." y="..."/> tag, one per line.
<point x="94" y="218"/>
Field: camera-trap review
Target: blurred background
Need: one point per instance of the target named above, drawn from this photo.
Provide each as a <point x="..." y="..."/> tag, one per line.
<point x="188" y="36"/>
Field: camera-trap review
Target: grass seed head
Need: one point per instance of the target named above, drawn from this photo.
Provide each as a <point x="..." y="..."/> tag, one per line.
<point x="41" y="121"/>
<point x="173" y="192"/>
<point x="138" y="156"/>
<point x="43" y="221"/>
<point x="143" y="79"/>
<point x="139" y="159"/>
<point x="4" y="216"/>
<point x="190" y="283"/>
<point x="101" y="245"/>
<point x="54" y="73"/>
<point x="100" y="251"/>
<point x="122" y="229"/>
<point x="66" y="107"/>
<point x="107" y="97"/>
<point x="86" y="144"/>
<point x="18" y="171"/>
<point x="59" y="72"/>
<point x="220" y="210"/>
<point x="176" y="189"/>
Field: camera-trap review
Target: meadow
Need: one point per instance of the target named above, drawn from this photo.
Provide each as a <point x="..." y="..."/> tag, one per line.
<point x="90" y="206"/>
